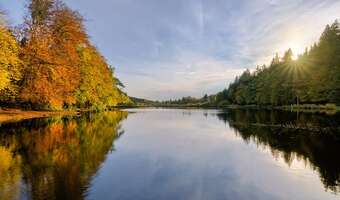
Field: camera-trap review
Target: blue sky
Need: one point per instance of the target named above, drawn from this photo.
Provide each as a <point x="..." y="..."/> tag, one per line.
<point x="172" y="48"/>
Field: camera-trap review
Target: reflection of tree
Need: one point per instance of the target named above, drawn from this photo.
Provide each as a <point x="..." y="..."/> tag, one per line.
<point x="309" y="137"/>
<point x="9" y="174"/>
<point x="59" y="156"/>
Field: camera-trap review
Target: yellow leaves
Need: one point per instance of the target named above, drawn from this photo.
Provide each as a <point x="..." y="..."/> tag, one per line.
<point x="9" y="48"/>
<point x="7" y="41"/>
<point x="10" y="64"/>
<point x="97" y="89"/>
<point x="4" y="79"/>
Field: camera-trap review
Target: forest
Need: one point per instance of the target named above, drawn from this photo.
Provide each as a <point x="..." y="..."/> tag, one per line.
<point x="49" y="63"/>
<point x="312" y="78"/>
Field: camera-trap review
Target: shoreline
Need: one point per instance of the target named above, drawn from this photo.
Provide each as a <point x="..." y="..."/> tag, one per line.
<point x="307" y="108"/>
<point x="15" y="115"/>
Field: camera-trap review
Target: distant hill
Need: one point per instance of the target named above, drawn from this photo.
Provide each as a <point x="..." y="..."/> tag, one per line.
<point x="142" y="102"/>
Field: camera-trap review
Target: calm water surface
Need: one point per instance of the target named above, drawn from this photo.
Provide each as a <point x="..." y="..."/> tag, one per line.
<point x="172" y="154"/>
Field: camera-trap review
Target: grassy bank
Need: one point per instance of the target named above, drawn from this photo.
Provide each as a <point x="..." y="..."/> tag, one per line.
<point x="12" y="115"/>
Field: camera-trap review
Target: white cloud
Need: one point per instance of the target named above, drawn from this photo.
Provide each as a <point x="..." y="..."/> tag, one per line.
<point x="191" y="74"/>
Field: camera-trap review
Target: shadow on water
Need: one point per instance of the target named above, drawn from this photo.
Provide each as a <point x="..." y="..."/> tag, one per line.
<point x="314" y="138"/>
<point x="55" y="158"/>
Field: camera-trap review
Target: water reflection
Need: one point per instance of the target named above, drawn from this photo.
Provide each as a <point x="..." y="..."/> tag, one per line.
<point x="55" y="158"/>
<point x="314" y="138"/>
<point x="172" y="154"/>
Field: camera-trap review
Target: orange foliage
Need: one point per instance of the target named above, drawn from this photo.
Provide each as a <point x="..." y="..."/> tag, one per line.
<point x="52" y="74"/>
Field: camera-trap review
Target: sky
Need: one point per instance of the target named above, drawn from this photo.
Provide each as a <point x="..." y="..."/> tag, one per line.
<point x="164" y="49"/>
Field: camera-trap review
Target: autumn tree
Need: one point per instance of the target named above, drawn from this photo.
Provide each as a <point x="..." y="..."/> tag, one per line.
<point x="98" y="87"/>
<point x="10" y="64"/>
<point x="52" y="64"/>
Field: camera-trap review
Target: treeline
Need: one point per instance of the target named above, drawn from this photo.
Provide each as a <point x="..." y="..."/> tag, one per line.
<point x="313" y="78"/>
<point x="189" y="101"/>
<point x="49" y="63"/>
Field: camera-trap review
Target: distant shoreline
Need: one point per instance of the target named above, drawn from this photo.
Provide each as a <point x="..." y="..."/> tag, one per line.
<point x="309" y="108"/>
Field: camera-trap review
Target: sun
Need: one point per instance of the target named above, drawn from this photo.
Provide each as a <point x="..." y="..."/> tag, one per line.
<point x="295" y="56"/>
<point x="297" y="48"/>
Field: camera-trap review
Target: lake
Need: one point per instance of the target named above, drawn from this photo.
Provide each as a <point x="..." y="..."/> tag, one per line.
<point x="172" y="154"/>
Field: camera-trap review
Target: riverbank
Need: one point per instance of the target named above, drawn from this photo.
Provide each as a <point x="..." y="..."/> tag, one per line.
<point x="308" y="108"/>
<point x="13" y="115"/>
